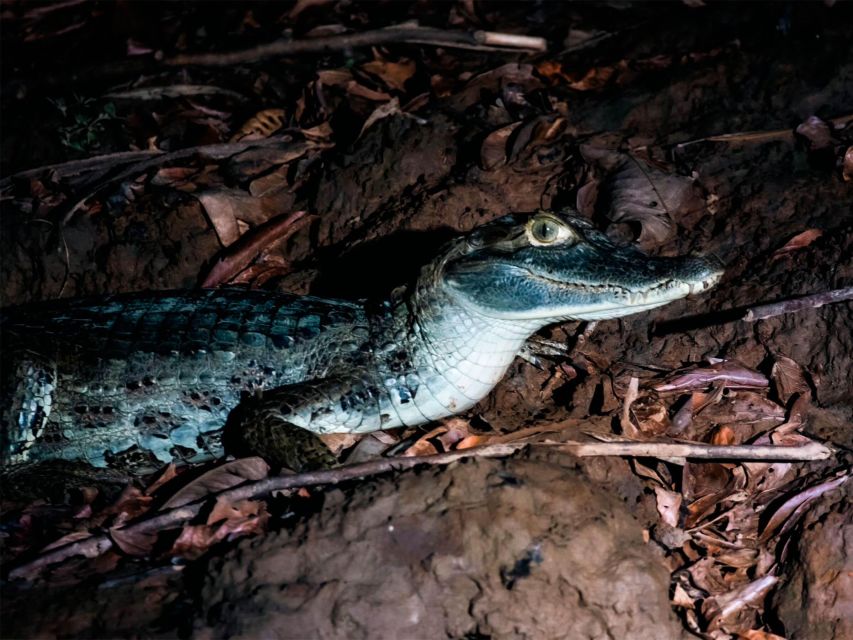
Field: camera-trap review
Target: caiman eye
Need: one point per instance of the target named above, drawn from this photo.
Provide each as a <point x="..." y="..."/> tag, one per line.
<point x="543" y="230"/>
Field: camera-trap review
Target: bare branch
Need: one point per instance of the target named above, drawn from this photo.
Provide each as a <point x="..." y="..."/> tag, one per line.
<point x="481" y="40"/>
<point x="792" y="305"/>
<point x="97" y="544"/>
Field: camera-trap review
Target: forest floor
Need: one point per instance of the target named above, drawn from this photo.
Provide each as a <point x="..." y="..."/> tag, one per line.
<point x="740" y="120"/>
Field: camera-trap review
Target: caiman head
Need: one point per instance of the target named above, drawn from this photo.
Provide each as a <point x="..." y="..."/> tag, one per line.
<point x="548" y="267"/>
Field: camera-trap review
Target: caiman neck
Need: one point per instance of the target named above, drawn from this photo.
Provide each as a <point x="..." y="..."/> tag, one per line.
<point x="457" y="354"/>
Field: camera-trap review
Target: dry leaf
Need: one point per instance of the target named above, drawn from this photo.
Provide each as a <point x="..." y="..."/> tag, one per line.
<point x="788" y="378"/>
<point x="390" y="108"/>
<point x="729" y="373"/>
<point x="236" y="257"/>
<point x="794" y="506"/>
<point x="355" y="89"/>
<point x="652" y="415"/>
<point x="735" y="610"/>
<point x="133" y="543"/>
<point x="493" y="82"/>
<point x="170" y="472"/>
<point x="224" y="207"/>
<point x="337" y="442"/>
<point x="816" y="132"/>
<point x="393" y="74"/>
<point x="219" y="479"/>
<point x="261" y="125"/>
<point x="799" y="241"/>
<point x="669" y="505"/>
<point x="422" y="446"/>
<point x="631" y="395"/>
<point x="226" y="510"/>
<point x="847" y="165"/>
<point x="493" y="152"/>
<point x="586" y="198"/>
<point x="643" y="194"/>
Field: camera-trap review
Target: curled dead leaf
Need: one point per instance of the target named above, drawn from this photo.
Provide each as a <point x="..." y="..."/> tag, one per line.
<point x="390" y="108"/>
<point x="642" y="193"/>
<point x="133" y="543"/>
<point x="493" y="152"/>
<point x="816" y="133"/>
<point x="393" y="74"/>
<point x="261" y="125"/>
<point x="788" y="378"/>
<point x="788" y="513"/>
<point x="669" y="505"/>
<point x="847" y="165"/>
<point x="729" y="373"/>
<point x="734" y="611"/>
<point x="219" y="479"/>
<point x="799" y="241"/>
<point x="236" y="257"/>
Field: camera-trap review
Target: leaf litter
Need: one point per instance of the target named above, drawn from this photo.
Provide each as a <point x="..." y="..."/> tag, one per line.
<point x="725" y="550"/>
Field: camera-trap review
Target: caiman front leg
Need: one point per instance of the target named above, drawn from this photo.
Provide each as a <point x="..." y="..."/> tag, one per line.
<point x="281" y="424"/>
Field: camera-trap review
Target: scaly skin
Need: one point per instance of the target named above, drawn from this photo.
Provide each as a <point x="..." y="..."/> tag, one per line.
<point x="134" y="381"/>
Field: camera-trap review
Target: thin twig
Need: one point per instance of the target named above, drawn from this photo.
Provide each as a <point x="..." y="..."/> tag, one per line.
<point x="74" y="167"/>
<point x="484" y="40"/>
<point x="792" y="305"/>
<point x="760" y="136"/>
<point x="173" y="91"/>
<point x="98" y="544"/>
<point x="212" y="151"/>
<point x="696" y="451"/>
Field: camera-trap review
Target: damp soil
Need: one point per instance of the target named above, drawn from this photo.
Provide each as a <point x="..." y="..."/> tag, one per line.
<point x="533" y="546"/>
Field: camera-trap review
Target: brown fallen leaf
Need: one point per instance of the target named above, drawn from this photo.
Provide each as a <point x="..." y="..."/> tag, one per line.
<point x="236" y="257"/>
<point x="734" y="611"/>
<point x="227" y="208"/>
<point x="393" y="74"/>
<point x="226" y="510"/>
<point x="651" y="415"/>
<point x="494" y="81"/>
<point x="642" y="193"/>
<point x="631" y="395"/>
<point x="788" y="378"/>
<point x="261" y="125"/>
<point x="218" y="479"/>
<point x="337" y="442"/>
<point x="816" y="133"/>
<point x="847" y="165"/>
<point x="133" y="543"/>
<point x="788" y="513"/>
<point x="231" y="521"/>
<point x="390" y="108"/>
<point x="587" y="197"/>
<point x="799" y="241"/>
<point x="493" y="152"/>
<point x="758" y="634"/>
<point x="729" y="373"/>
<point x="168" y="474"/>
<point x="669" y="505"/>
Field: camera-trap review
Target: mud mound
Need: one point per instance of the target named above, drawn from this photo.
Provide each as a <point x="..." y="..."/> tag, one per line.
<point x="520" y="549"/>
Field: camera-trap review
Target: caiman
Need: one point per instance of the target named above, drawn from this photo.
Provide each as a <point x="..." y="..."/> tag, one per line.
<point x="131" y="382"/>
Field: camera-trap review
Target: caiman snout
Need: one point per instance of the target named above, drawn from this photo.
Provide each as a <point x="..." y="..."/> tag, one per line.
<point x="554" y="266"/>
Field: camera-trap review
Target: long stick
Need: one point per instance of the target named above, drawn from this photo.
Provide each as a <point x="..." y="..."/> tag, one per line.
<point x="95" y="545"/>
<point x="483" y="40"/>
<point x="769" y="310"/>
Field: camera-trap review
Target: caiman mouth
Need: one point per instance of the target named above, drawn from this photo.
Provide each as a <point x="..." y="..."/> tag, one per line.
<point x="676" y="288"/>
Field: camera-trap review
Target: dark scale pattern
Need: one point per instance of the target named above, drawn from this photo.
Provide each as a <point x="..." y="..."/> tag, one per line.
<point x="149" y="378"/>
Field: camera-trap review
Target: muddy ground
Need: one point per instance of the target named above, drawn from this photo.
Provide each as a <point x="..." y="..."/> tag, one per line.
<point x="534" y="546"/>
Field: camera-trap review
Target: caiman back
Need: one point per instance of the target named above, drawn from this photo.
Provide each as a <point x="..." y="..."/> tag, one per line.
<point x="135" y="381"/>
